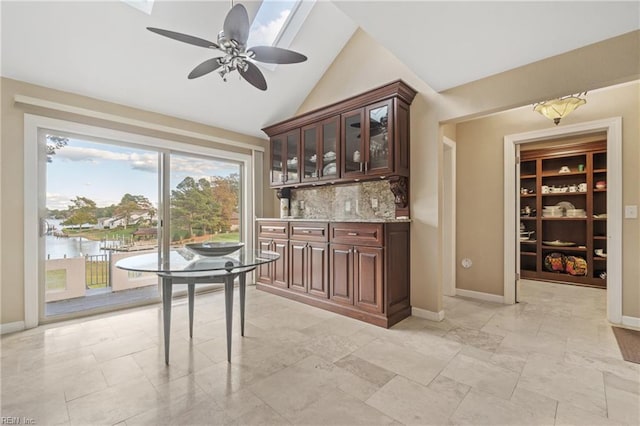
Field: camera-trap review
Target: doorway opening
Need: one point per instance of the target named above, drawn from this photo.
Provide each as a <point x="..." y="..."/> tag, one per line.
<point x="609" y="235"/>
<point x="449" y="218"/>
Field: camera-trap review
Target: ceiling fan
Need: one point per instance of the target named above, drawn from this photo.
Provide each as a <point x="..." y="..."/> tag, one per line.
<point x="232" y="41"/>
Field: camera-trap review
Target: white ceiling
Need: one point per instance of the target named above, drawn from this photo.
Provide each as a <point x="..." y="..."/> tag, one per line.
<point x="102" y="49"/>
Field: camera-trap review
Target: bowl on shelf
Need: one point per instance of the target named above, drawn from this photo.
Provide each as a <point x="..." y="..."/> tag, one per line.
<point x="600" y="252"/>
<point x="214" y="248"/>
<point x="576" y="213"/>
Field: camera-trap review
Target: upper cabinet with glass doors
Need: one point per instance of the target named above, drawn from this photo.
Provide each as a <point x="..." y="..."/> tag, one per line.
<point x="368" y="141"/>
<point x="320" y="150"/>
<point x="363" y="137"/>
<point x="285" y="167"/>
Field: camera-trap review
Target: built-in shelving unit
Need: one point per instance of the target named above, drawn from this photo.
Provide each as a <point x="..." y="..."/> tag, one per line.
<point x="574" y="175"/>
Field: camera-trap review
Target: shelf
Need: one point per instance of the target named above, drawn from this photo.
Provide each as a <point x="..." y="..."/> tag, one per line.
<point x="598" y="258"/>
<point x="600" y="219"/>
<point x="599" y="237"/>
<point x="564" y="248"/>
<point x="564" y="218"/>
<point x="527" y="195"/>
<point x="528" y="217"/>
<point x="600" y="171"/>
<point x="528" y="241"/>
<point x="528" y="253"/>
<point x="562" y="194"/>
<point x="600" y="190"/>
<point x="556" y="174"/>
<point x="527" y="176"/>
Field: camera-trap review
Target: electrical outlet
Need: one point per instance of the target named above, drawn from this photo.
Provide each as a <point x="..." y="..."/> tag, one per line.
<point x="374" y="203"/>
<point x="630" y="212"/>
<point x="467" y="263"/>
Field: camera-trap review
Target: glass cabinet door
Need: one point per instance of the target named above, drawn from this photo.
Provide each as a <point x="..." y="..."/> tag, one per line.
<point x="353" y="155"/>
<point x="293" y="168"/>
<point x="310" y="165"/>
<point x="379" y="154"/>
<point x="329" y="149"/>
<point x="277" y="153"/>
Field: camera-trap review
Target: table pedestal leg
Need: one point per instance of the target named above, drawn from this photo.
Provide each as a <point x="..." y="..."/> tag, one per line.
<point x="228" y="308"/>
<point x="243" y="294"/>
<point x="191" y="288"/>
<point x="167" y="288"/>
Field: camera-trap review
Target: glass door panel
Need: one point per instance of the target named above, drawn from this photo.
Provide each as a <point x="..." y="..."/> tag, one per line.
<point x="329" y="149"/>
<point x="378" y="138"/>
<point x="101" y="206"/>
<point x="292" y="175"/>
<point x="310" y="153"/>
<point x="353" y="155"/>
<point x="204" y="200"/>
<point x="277" y="154"/>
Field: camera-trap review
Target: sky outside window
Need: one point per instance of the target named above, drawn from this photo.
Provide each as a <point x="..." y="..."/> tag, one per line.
<point x="270" y="21"/>
<point x="104" y="173"/>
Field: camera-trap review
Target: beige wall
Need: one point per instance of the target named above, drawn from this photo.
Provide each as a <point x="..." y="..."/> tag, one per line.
<point x="364" y="64"/>
<point x="480" y="171"/>
<point x="12" y="170"/>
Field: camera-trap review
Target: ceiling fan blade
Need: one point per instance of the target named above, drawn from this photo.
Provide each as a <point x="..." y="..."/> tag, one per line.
<point x="236" y="24"/>
<point x="276" y="55"/>
<point x="196" y="41"/>
<point x="205" y="68"/>
<point x="254" y="76"/>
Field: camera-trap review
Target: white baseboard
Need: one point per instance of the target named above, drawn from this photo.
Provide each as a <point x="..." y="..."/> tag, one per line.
<point x="11" y="327"/>
<point x="631" y="321"/>
<point x="488" y="297"/>
<point x="430" y="315"/>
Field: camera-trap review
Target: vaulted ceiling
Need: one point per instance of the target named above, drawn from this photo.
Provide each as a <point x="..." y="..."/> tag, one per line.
<point x="102" y="49"/>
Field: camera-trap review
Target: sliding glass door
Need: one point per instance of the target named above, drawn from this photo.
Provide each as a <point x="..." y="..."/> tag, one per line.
<point x="105" y="201"/>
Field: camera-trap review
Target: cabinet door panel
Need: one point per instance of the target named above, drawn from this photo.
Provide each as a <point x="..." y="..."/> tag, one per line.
<point x="353" y="155"/>
<point x="341" y="279"/>
<point x="379" y="138"/>
<point x="317" y="269"/>
<point x="280" y="266"/>
<point x="277" y="159"/>
<point x="310" y="152"/>
<point x="293" y="157"/>
<point x="330" y="153"/>
<point x="264" y="271"/>
<point x="297" y="265"/>
<point x="368" y="270"/>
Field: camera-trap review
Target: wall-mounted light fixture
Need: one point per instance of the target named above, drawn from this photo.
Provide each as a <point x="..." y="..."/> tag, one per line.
<point x="555" y="109"/>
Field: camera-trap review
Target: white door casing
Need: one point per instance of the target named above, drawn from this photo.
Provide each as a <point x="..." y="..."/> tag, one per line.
<point x="613" y="128"/>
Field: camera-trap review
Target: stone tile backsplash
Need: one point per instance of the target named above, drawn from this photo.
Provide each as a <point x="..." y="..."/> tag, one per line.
<point x="338" y="202"/>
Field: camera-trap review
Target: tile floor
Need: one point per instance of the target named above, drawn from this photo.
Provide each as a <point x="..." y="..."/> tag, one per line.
<point x="551" y="359"/>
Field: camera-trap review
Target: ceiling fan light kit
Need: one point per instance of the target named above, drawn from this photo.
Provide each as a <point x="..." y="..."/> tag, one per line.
<point x="232" y="42"/>
<point x="556" y="109"/>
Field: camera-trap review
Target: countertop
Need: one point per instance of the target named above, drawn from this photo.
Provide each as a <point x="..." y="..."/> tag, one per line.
<point x="355" y="220"/>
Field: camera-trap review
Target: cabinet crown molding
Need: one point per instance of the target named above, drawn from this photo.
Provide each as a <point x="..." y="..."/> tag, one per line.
<point x="395" y="89"/>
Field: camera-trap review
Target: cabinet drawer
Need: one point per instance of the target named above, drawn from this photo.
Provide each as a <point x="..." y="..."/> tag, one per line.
<point x="273" y="229"/>
<point x="309" y="231"/>
<point x="369" y="234"/>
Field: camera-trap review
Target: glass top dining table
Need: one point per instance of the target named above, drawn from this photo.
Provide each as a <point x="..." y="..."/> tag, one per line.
<point x="183" y="266"/>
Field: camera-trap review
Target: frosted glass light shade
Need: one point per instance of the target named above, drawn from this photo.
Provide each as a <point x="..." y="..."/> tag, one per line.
<point x="555" y="109"/>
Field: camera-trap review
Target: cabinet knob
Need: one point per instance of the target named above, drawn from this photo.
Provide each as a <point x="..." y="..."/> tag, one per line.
<point x="306" y="231"/>
<point x="352" y="234"/>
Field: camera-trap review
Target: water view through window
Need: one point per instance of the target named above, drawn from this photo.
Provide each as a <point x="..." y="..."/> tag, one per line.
<point x="102" y="204"/>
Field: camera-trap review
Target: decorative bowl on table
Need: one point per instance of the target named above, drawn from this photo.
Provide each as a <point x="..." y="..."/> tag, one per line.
<point x="214" y="248"/>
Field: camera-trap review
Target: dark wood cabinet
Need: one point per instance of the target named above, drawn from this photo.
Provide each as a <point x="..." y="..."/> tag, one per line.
<point x="363" y="137"/>
<point x="367" y="281"/>
<point x="368" y="141"/>
<point x="320" y="150"/>
<point x="568" y="177"/>
<point x="341" y="282"/>
<point x="356" y="269"/>
<point x="309" y="259"/>
<point x="273" y="236"/>
<point x="285" y="154"/>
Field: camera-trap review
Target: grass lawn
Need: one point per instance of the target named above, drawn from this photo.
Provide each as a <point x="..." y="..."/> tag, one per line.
<point x="231" y="236"/>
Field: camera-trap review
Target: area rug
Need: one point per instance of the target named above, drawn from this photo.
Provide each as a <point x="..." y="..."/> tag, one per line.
<point x="629" y="343"/>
